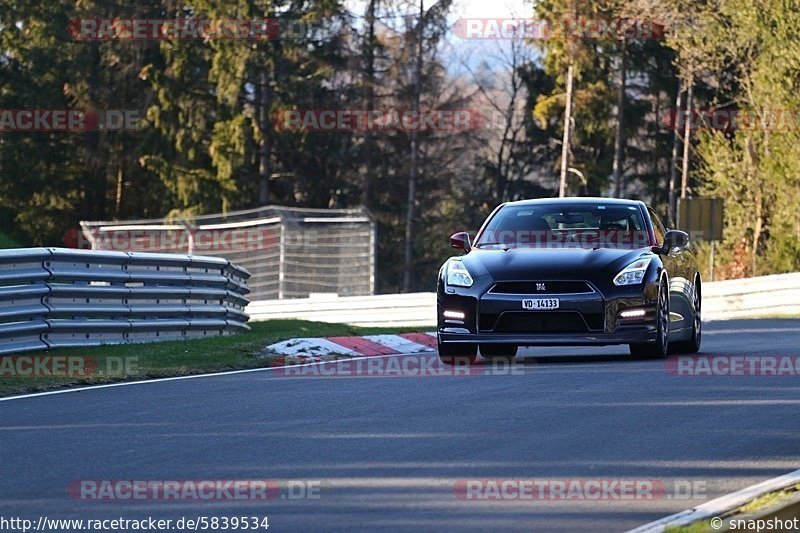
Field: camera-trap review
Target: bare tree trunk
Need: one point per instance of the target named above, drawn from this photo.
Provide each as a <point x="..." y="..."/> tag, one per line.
<point x="95" y="175"/>
<point x="412" y="176"/>
<point x="758" y="229"/>
<point x="758" y="198"/>
<point x="619" y="146"/>
<point x="369" y="81"/>
<point x="673" y="169"/>
<point x="118" y="195"/>
<point x="687" y="139"/>
<point x="562" y="188"/>
<point x="565" y="143"/>
<point x="504" y="179"/>
<point x="265" y="146"/>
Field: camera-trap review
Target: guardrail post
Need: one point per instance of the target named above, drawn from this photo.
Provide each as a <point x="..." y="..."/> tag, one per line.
<point x="373" y="245"/>
<point x="281" y="260"/>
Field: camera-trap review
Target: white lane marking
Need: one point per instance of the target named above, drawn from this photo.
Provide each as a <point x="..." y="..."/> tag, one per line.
<point x="538" y="367"/>
<point x="265" y="369"/>
<point x="178" y="378"/>
<point x="718" y="507"/>
<point x="707" y="331"/>
<point x="400" y="344"/>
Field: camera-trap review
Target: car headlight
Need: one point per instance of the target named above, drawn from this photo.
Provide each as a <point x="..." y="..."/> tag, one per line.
<point x="458" y="275"/>
<point x="633" y="273"/>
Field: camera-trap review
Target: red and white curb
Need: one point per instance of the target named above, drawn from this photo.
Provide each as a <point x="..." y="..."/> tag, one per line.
<point x="366" y="346"/>
<point x="324" y="349"/>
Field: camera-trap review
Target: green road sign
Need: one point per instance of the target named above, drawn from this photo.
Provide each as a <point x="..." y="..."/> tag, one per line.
<point x="701" y="217"/>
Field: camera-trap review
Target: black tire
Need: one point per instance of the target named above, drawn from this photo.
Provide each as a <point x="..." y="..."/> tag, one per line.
<point x="643" y="350"/>
<point x="499" y="352"/>
<point x="693" y="344"/>
<point x="458" y="354"/>
<point x="660" y="348"/>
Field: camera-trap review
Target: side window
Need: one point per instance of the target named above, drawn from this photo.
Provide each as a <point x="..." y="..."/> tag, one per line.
<point x="658" y="226"/>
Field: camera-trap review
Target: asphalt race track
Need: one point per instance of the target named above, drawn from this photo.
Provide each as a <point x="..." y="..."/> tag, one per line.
<point x="386" y="452"/>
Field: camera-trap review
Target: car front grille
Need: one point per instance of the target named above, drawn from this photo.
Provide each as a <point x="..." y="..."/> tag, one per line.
<point x="541" y="287"/>
<point x="548" y="322"/>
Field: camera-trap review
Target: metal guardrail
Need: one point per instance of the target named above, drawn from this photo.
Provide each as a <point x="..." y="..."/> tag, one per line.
<point x="784" y="510"/>
<point x="57" y="297"/>
<point x="772" y="296"/>
<point x="718" y="514"/>
<point x="390" y="310"/>
<point x="764" y="296"/>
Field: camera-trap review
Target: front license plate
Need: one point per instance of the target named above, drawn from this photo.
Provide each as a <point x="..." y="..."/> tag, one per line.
<point x="540" y="304"/>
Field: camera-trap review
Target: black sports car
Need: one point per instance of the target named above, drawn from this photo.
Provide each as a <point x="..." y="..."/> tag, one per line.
<point x="569" y="271"/>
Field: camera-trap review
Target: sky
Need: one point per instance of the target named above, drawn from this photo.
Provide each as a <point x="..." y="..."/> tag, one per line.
<point x="470" y="52"/>
<point x="493" y="8"/>
<point x="471" y="8"/>
<point x="473" y="52"/>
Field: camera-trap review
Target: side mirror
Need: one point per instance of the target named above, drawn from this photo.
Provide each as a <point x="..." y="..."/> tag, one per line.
<point x="674" y="239"/>
<point x="461" y="241"/>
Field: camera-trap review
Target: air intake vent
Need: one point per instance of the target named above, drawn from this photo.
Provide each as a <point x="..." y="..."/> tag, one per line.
<point x="541" y="287"/>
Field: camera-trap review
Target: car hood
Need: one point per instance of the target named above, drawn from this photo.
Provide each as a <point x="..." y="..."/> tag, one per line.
<point x="548" y="263"/>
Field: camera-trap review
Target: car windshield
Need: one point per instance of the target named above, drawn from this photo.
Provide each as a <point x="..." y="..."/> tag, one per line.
<point x="565" y="226"/>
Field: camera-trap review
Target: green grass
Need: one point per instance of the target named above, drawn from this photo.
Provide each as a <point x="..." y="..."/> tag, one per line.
<point x="753" y="506"/>
<point x="179" y="358"/>
<point x="7" y="242"/>
<point x="702" y="526"/>
<point x="769" y="499"/>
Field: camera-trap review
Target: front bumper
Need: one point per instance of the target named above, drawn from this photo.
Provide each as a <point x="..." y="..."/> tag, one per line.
<point x="590" y="318"/>
<point x="627" y="335"/>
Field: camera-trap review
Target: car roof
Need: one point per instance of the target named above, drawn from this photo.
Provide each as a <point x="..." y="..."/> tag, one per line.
<point x="575" y="200"/>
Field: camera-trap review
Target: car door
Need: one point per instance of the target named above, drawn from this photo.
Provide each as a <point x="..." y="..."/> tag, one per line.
<point x="677" y="263"/>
